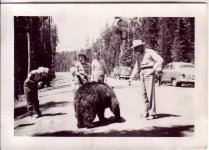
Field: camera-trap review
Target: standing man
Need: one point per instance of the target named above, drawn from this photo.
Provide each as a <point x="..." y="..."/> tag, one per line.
<point x="82" y="71"/>
<point x="147" y="63"/>
<point x="99" y="69"/>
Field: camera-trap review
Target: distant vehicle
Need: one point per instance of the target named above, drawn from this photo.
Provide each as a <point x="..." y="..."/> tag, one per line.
<point x="121" y="72"/>
<point x="125" y="72"/>
<point x="115" y="73"/>
<point x="178" y="73"/>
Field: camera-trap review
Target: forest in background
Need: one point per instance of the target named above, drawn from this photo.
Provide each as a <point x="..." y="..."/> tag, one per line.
<point x="172" y="38"/>
<point x="35" y="41"/>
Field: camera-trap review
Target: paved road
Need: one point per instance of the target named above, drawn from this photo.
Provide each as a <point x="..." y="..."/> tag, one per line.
<point x="174" y="108"/>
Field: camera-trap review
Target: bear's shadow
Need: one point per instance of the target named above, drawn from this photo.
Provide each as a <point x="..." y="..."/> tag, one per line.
<point x="109" y="121"/>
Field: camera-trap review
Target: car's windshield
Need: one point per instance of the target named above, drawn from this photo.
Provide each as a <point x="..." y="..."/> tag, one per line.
<point x="186" y="66"/>
<point x="125" y="70"/>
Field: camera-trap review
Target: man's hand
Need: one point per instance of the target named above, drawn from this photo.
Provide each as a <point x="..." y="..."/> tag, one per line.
<point x="40" y="85"/>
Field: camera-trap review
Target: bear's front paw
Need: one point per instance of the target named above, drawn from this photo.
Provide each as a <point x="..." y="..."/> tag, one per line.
<point x="79" y="125"/>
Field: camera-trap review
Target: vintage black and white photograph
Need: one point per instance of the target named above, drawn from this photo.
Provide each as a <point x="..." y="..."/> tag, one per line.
<point x="107" y="71"/>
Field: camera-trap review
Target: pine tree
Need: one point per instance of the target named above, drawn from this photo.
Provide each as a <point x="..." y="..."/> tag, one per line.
<point x="166" y="37"/>
<point x="190" y="38"/>
<point x="149" y="31"/>
<point x="127" y="58"/>
<point x="180" y="44"/>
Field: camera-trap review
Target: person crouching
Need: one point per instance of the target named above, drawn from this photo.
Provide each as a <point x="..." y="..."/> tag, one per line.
<point x="31" y="89"/>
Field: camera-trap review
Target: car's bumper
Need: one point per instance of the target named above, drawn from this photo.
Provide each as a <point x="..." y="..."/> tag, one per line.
<point x="124" y="76"/>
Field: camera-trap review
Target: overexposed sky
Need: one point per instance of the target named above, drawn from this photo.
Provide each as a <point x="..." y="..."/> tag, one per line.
<point x="74" y="31"/>
<point x="78" y="24"/>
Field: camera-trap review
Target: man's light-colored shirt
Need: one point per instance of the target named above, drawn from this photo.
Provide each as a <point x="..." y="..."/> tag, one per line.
<point x="149" y="59"/>
<point x="98" y="67"/>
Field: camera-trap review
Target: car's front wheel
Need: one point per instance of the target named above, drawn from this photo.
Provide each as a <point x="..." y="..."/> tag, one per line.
<point x="175" y="83"/>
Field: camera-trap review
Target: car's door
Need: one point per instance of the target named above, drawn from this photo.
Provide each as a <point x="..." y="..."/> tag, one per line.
<point x="172" y="72"/>
<point x="165" y="75"/>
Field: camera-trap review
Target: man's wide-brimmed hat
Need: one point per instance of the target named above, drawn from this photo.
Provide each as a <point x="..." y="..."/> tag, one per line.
<point x="137" y="43"/>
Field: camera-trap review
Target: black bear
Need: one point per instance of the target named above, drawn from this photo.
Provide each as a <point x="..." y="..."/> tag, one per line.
<point x="92" y="99"/>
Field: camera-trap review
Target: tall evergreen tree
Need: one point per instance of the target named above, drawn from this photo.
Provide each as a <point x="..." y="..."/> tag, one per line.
<point x="180" y="45"/>
<point x="166" y="37"/>
<point x="127" y="58"/>
<point x="149" y="31"/>
<point x="190" y="34"/>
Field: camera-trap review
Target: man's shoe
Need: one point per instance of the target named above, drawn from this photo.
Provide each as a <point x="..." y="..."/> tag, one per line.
<point x="151" y="117"/>
<point x="39" y="115"/>
<point x="144" y="116"/>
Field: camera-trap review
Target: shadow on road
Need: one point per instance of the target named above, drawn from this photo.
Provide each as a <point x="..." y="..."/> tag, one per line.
<point x="23" y="125"/>
<point x="110" y="120"/>
<point x="54" y="104"/>
<point x="56" y="87"/>
<point x="155" y="131"/>
<point x="57" y="93"/>
<point x="55" y="114"/>
<point x="21" y="112"/>
<point x="158" y="116"/>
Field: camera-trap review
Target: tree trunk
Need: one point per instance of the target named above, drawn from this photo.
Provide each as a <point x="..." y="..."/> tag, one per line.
<point x="29" y="53"/>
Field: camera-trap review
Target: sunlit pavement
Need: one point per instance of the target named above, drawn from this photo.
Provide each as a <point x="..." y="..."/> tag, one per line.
<point x="175" y="117"/>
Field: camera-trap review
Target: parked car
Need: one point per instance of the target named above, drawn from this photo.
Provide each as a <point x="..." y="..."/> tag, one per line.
<point x="178" y="73"/>
<point x="121" y="72"/>
<point x="115" y="73"/>
<point x="125" y="72"/>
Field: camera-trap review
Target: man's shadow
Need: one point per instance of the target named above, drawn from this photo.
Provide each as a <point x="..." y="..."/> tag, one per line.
<point x="54" y="114"/>
<point x="158" y="116"/>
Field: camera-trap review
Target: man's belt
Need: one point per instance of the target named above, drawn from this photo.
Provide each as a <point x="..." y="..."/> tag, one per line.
<point x="146" y="67"/>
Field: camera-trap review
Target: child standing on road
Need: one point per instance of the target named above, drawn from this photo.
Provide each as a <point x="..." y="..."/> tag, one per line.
<point x="31" y="89"/>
